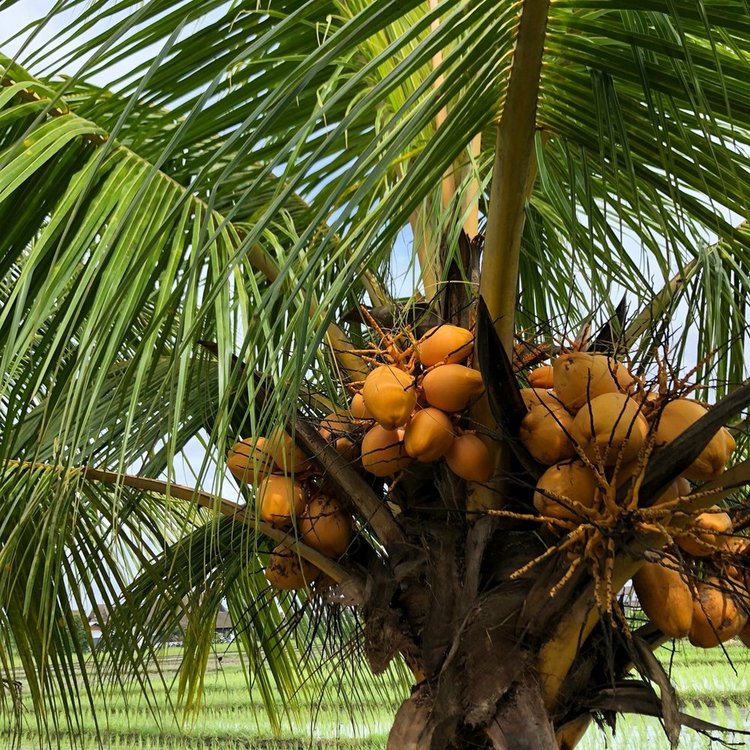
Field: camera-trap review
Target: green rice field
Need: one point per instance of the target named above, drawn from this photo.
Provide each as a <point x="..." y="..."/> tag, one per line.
<point x="233" y="719"/>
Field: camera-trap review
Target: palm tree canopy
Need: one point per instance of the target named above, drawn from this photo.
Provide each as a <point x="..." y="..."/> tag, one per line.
<point x="183" y="247"/>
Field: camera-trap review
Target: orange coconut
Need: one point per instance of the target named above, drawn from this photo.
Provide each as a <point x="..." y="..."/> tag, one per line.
<point x="428" y="435"/>
<point x="249" y="460"/>
<point x="390" y="395"/>
<point x="452" y="388"/>
<point x="324" y="526"/>
<point x="665" y="597"/>
<point x="469" y="458"/>
<point x="446" y="344"/>
<point x="709" y="530"/>
<point x="536" y="396"/>
<point x="383" y="451"/>
<point x="287" y="455"/>
<point x="675" y="418"/>
<point x="610" y="426"/>
<point x="561" y="486"/>
<point x="280" y="499"/>
<point x="545" y="433"/>
<point x="358" y="408"/>
<point x="347" y="449"/>
<point x="335" y="425"/>
<point x="334" y="429"/>
<point x="737" y="550"/>
<point x="286" y="570"/>
<point x="541" y="377"/>
<point x="579" y="377"/>
<point x="717" y="615"/>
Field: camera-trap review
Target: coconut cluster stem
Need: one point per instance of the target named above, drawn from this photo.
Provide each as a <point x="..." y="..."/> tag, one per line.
<point x="470" y="198"/>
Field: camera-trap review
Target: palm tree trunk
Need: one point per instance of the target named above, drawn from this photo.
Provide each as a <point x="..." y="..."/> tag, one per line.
<point x="520" y="722"/>
<point x="473" y="632"/>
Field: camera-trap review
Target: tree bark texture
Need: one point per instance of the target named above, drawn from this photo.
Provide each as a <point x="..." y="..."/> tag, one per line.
<point x="449" y="605"/>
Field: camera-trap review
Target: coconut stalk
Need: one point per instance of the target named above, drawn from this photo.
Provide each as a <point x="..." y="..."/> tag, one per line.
<point x="426" y="251"/>
<point x="472" y="188"/>
<point x="513" y="173"/>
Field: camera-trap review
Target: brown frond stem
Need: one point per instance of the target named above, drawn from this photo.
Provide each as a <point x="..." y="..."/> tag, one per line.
<point x="206" y="500"/>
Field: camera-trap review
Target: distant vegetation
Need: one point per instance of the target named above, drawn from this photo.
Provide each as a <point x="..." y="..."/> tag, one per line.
<point x="230" y="721"/>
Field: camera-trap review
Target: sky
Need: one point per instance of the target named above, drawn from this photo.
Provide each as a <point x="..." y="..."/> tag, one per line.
<point x="15" y="19"/>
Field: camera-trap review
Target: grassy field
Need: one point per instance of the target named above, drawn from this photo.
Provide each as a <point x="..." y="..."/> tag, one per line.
<point x="232" y="718"/>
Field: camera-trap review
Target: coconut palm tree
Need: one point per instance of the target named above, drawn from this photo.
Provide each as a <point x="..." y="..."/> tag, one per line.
<point x="212" y="209"/>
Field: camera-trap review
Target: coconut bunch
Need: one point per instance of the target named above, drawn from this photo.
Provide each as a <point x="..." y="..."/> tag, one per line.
<point x="594" y="426"/>
<point x="709" y="605"/>
<point x="277" y="470"/>
<point x="589" y="420"/>
<point x="413" y="407"/>
<point x="288" y="495"/>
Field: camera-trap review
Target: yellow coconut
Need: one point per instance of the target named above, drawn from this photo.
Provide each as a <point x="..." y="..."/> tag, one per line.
<point x="383" y="451"/>
<point x="446" y="344"/>
<point x="542" y="377"/>
<point x="428" y="435"/>
<point x="452" y="388"/>
<point x="665" y="597"/>
<point x="545" y="433"/>
<point x="390" y="395"/>
<point x="249" y="461"/>
<point x="469" y="458"/>
<point x="280" y="499"/>
<point x="334" y="428"/>
<point x="717" y="615"/>
<point x="610" y="426"/>
<point x="335" y="425"/>
<point x="347" y="449"/>
<point x="326" y="527"/>
<point x="708" y="532"/>
<point x="675" y="418"/>
<point x="736" y="558"/>
<point x="536" y="396"/>
<point x="579" y="377"/>
<point x="287" y="455"/>
<point x="562" y="487"/>
<point x="286" y="570"/>
<point x="358" y="408"/>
